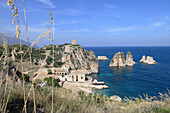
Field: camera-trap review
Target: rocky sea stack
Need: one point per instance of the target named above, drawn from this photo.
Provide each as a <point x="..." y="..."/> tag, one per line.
<point x="129" y="59"/>
<point x="148" y="60"/>
<point x="118" y="60"/>
<point x="102" y="58"/>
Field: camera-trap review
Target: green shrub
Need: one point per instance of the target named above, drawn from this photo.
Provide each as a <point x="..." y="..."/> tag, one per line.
<point x="46" y="66"/>
<point x="36" y="63"/>
<point x="49" y="71"/>
<point x="49" y="60"/>
<point x="26" y="78"/>
<point x="49" y="81"/>
<point x="58" y="64"/>
<point x="38" y="81"/>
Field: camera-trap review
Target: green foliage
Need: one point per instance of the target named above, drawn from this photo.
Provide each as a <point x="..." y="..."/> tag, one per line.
<point x="77" y="45"/>
<point x="38" y="56"/>
<point x="161" y="110"/>
<point x="49" y="60"/>
<point x="1" y="50"/>
<point x="26" y="78"/>
<point x="49" y="81"/>
<point x="36" y="63"/>
<point x="57" y="56"/>
<point x="46" y="66"/>
<point x="37" y="81"/>
<point x="61" y="45"/>
<point x="49" y="71"/>
<point x="58" y="64"/>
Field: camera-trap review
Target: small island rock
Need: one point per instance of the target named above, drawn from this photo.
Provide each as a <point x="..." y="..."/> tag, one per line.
<point x="118" y="60"/>
<point x="129" y="59"/>
<point x="148" y="60"/>
<point x="102" y="58"/>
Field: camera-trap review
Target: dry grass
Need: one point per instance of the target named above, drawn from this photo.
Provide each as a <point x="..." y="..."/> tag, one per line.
<point x="66" y="101"/>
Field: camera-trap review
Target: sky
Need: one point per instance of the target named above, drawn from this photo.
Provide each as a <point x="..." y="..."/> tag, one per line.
<point x="93" y="22"/>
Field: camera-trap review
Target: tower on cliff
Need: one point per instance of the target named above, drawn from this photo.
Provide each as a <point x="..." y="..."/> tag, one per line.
<point x="74" y="41"/>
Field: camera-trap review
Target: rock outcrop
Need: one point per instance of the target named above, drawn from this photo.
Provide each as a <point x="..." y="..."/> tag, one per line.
<point x="118" y="60"/>
<point x="129" y="59"/>
<point x="102" y="58"/>
<point x="116" y="98"/>
<point x="67" y="56"/>
<point x="77" y="58"/>
<point x="148" y="60"/>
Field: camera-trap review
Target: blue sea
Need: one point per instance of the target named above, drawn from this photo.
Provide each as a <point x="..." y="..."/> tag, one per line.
<point x="137" y="80"/>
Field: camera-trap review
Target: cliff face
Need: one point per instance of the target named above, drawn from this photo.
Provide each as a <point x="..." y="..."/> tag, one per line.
<point x="77" y="58"/>
<point x="118" y="60"/>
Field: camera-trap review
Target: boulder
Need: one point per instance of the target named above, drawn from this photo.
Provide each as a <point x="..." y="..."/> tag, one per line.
<point x="116" y="98"/>
<point x="95" y="81"/>
<point x="43" y="84"/>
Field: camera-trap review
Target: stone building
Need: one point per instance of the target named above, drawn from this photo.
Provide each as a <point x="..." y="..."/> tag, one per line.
<point x="58" y="71"/>
<point x="74" y="41"/>
<point x="76" y="76"/>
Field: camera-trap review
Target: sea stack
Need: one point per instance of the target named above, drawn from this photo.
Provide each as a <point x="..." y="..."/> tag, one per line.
<point x="129" y="59"/>
<point x="102" y="58"/>
<point x="148" y="60"/>
<point x="118" y="60"/>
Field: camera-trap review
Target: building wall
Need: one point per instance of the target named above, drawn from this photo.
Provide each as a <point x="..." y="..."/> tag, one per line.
<point x="74" y="41"/>
<point x="76" y="78"/>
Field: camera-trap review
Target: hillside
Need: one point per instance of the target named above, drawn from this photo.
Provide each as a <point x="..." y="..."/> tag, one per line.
<point x="68" y="56"/>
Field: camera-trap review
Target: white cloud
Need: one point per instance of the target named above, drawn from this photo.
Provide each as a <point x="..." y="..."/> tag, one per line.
<point x="66" y="22"/>
<point x="81" y="30"/>
<point x="48" y="2"/>
<point x="157" y="24"/>
<point x="70" y="11"/>
<point x="10" y="29"/>
<point x="121" y="29"/>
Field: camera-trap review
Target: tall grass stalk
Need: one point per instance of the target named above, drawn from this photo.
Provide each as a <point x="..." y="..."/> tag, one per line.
<point x="29" y="54"/>
<point x="52" y="18"/>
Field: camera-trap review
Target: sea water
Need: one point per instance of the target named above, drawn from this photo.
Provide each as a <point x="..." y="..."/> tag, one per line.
<point x="137" y="80"/>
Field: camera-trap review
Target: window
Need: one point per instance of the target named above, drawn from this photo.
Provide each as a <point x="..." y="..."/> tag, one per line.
<point x="82" y="77"/>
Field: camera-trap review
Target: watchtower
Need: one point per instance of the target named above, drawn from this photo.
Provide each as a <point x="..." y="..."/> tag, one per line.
<point x="74" y="41"/>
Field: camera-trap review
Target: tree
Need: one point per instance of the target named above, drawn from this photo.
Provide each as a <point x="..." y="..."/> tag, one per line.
<point x="49" y="71"/>
<point x="49" y="81"/>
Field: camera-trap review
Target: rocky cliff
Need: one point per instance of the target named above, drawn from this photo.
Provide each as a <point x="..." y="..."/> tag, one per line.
<point x="118" y="60"/>
<point x="77" y="58"/>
